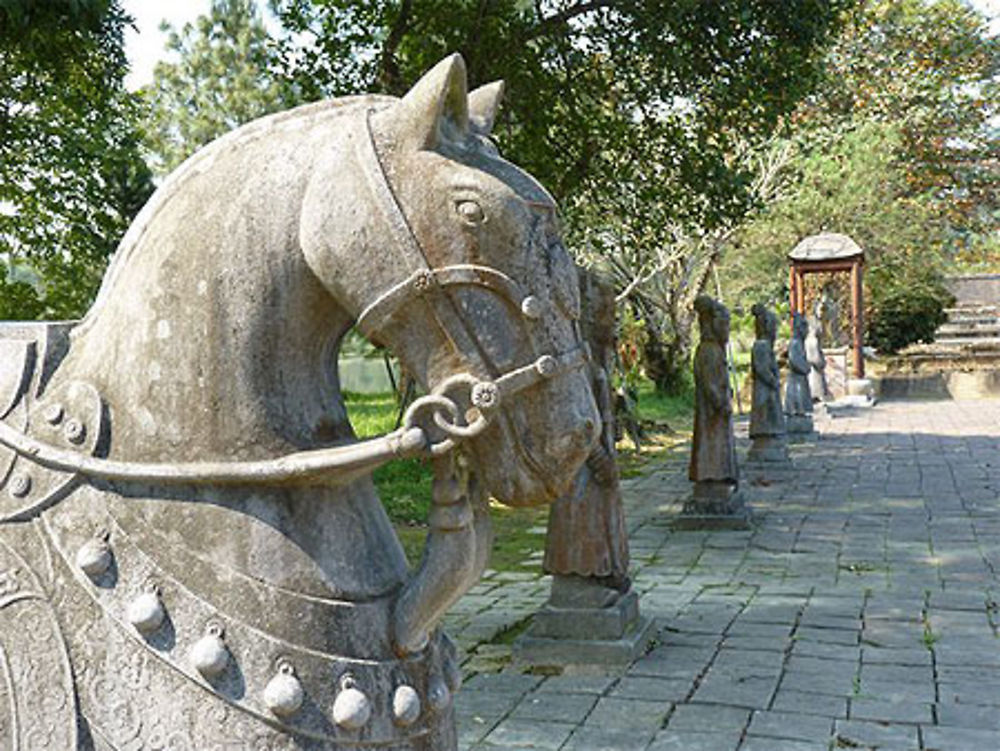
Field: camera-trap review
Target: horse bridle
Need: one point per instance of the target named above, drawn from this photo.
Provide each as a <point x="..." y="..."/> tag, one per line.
<point x="456" y="420"/>
<point x="431" y="285"/>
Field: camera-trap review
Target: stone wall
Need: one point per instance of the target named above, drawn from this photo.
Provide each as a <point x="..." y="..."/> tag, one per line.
<point x="975" y="289"/>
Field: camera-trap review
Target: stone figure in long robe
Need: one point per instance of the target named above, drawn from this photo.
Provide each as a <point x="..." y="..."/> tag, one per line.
<point x="818" y="388"/>
<point x="592" y="615"/>
<point x="798" y="401"/>
<point x="827" y="313"/>
<point x="713" y="458"/>
<point x="586" y="535"/>
<point x="767" y="421"/>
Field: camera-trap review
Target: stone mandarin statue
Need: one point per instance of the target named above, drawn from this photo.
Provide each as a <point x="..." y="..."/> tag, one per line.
<point x="818" y="388"/>
<point x="587" y="538"/>
<point x="592" y="615"/>
<point x="767" y="420"/>
<point x="713" y="468"/>
<point x="192" y="552"/>
<point x="827" y="314"/>
<point x="798" y="401"/>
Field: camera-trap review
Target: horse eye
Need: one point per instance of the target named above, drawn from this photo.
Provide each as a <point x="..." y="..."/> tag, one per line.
<point x="470" y="212"/>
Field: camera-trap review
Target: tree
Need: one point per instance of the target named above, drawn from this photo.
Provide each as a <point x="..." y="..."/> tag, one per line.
<point x="895" y="150"/>
<point x="933" y="70"/>
<point x="659" y="281"/>
<point x="617" y="107"/>
<point x="71" y="176"/>
<point x="224" y="76"/>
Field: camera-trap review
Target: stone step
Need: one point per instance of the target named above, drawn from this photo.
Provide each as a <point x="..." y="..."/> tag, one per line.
<point x="914" y="361"/>
<point x="978" y="342"/>
<point x="973" y="330"/>
<point x="973" y="318"/>
<point x="974" y="310"/>
<point x="971" y="323"/>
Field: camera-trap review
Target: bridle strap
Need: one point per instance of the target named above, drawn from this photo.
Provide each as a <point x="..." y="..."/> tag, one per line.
<point x="371" y="167"/>
<point x="339" y="463"/>
<point x="429" y="282"/>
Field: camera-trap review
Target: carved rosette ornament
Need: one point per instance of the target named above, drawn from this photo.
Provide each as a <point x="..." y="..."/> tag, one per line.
<point x="192" y="554"/>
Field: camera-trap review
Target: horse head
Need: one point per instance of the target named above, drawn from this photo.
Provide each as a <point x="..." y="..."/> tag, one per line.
<point x="478" y="288"/>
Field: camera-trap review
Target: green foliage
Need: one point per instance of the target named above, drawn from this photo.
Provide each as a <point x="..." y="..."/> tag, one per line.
<point x="895" y="149"/>
<point x="223" y="76"/>
<point x="403" y="485"/>
<point x="593" y="85"/>
<point x="845" y="180"/>
<point x="71" y="176"/>
<point x="636" y="115"/>
<point x="907" y="304"/>
<point x="676" y="410"/>
<point x="931" y="69"/>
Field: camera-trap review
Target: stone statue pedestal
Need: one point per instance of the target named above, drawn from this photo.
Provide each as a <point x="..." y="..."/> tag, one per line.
<point x="770" y="449"/>
<point x="799" y="425"/>
<point x="861" y="387"/>
<point x="714" y="505"/>
<point x="585" y="626"/>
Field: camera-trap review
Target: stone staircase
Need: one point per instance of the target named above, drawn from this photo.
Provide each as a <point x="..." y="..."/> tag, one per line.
<point x="973" y="326"/>
<point x="964" y="359"/>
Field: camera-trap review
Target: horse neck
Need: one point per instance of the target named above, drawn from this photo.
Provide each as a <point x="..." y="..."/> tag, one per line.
<point x="208" y="364"/>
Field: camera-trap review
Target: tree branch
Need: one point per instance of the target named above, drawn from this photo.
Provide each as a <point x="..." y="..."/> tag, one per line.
<point x="549" y="22"/>
<point x="389" y="76"/>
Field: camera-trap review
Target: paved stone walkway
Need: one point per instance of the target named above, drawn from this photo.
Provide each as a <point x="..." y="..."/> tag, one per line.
<point x="859" y="613"/>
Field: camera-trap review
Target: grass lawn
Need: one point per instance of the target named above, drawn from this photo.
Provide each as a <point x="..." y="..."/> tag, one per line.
<point x="405" y="485"/>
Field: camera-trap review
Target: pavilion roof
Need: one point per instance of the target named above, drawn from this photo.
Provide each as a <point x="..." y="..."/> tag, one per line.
<point x="826" y="246"/>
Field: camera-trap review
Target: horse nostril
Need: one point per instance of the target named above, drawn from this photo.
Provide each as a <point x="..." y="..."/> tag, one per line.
<point x="588" y="426"/>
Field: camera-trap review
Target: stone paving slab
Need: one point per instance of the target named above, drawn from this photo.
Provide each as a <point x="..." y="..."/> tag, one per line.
<point x="860" y="612"/>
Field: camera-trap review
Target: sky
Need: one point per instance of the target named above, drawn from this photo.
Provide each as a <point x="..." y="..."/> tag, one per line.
<point x="144" y="45"/>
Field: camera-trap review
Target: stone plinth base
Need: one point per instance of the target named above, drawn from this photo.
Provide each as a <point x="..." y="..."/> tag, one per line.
<point x="798" y="425"/>
<point x="585" y="655"/>
<point x="576" y="632"/>
<point x="769" y="448"/>
<point x="714" y="505"/>
<point x="861" y="387"/>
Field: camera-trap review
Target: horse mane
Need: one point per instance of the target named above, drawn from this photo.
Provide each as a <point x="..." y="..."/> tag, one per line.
<point x="200" y="162"/>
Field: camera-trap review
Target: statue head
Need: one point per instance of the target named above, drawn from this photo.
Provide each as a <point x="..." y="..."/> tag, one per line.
<point x="713" y="319"/>
<point x="765" y="322"/>
<point x="800" y="326"/>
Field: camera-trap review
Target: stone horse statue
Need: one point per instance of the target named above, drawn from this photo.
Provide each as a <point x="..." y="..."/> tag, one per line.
<point x="192" y="553"/>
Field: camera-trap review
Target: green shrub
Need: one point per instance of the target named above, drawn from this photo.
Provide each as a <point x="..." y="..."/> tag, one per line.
<point x="906" y="304"/>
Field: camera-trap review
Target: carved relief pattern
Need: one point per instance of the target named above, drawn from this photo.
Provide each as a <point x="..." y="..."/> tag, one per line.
<point x="40" y="711"/>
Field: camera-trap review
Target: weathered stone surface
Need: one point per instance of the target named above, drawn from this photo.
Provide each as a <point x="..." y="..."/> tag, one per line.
<point x="798" y="399"/>
<point x="825" y="246"/>
<point x="713" y="468"/>
<point x="192" y="552"/>
<point x="819" y="390"/>
<point x="767" y="420"/>
<point x="586" y="536"/>
<point x="826" y="316"/>
<point x="592" y="616"/>
<point x="868" y="583"/>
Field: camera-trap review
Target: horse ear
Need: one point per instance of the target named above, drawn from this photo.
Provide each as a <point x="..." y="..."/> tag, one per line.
<point x="483" y="105"/>
<point x="436" y="108"/>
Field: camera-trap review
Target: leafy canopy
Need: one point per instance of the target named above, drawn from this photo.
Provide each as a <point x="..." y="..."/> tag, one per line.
<point x="896" y="150"/>
<point x="221" y="76"/>
<point x="71" y="176"/>
<point x="593" y="86"/>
